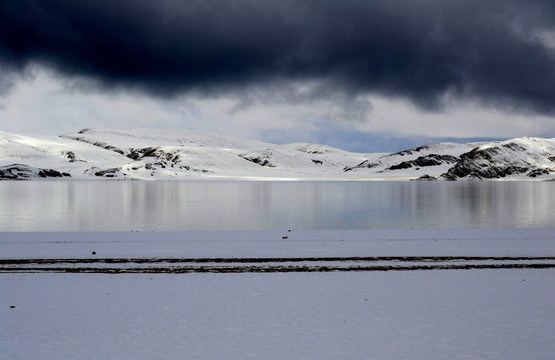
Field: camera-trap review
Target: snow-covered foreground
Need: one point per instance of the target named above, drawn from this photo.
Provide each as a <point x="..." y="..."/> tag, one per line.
<point x="452" y="314"/>
<point x="444" y="313"/>
<point x="278" y="244"/>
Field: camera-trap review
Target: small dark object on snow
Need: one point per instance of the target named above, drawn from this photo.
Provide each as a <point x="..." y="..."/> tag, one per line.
<point x="12" y="307"/>
<point x="284" y="237"/>
<point x="94" y="252"/>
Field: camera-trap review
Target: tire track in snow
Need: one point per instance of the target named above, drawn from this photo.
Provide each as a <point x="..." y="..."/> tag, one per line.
<point x="270" y="265"/>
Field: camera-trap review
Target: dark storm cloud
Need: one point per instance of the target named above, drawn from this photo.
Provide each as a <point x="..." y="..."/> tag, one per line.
<point x="415" y="49"/>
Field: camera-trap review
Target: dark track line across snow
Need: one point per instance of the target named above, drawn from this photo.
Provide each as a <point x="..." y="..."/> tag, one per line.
<point x="266" y="265"/>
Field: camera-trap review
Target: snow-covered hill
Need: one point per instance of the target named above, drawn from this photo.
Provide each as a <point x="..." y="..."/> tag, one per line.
<point x="517" y="158"/>
<point x="182" y="154"/>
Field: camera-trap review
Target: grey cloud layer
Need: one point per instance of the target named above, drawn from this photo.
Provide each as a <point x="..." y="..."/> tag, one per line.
<point x="416" y="49"/>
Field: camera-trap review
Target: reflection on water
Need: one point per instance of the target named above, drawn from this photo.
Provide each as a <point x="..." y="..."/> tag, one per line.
<point x="196" y="205"/>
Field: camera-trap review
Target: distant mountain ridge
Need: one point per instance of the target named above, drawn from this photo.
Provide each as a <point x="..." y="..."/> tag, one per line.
<point x="187" y="154"/>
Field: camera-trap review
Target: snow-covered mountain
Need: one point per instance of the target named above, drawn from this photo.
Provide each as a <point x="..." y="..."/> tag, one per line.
<point x="516" y="158"/>
<point x="183" y="154"/>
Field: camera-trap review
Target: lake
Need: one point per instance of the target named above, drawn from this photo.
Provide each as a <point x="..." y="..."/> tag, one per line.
<point x="279" y="205"/>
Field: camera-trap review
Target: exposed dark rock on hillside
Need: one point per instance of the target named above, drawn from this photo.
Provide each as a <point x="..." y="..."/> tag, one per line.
<point x="109" y="173"/>
<point x="426" y="177"/>
<point x="51" y="173"/>
<point x="24" y="172"/>
<point x="423" y="161"/>
<point x="538" y="172"/>
<point x="363" y="165"/>
<point x="183" y="154"/>
<point x="410" y="151"/>
<point x="500" y="161"/>
<point x="96" y="143"/>
<point x="15" y="172"/>
<point x="71" y="156"/>
<point x="263" y="158"/>
<point x="138" y="154"/>
<point x="311" y="149"/>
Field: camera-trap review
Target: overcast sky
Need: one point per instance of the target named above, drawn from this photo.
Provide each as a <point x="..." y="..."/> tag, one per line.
<point x="363" y="75"/>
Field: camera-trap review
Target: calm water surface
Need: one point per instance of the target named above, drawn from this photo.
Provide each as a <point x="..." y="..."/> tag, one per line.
<point x="240" y="205"/>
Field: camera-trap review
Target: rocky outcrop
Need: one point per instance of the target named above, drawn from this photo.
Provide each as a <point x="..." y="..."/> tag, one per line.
<point x="426" y="177"/>
<point x="156" y="152"/>
<point x="25" y="172"/>
<point x="263" y="158"/>
<point x="44" y="173"/>
<point x="411" y="151"/>
<point x="16" y="172"/>
<point x="100" y="144"/>
<point x="424" y="161"/>
<point x="366" y="164"/>
<point x="109" y="173"/>
<point x="524" y="157"/>
<point x="184" y="154"/>
<point x="71" y="156"/>
<point x="316" y="149"/>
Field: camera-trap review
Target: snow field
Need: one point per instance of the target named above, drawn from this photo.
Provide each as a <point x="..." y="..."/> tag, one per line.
<point x="529" y="242"/>
<point x="454" y="314"/>
<point x="443" y="314"/>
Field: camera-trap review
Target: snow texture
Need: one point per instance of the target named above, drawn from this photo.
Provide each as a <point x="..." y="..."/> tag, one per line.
<point x="445" y="314"/>
<point x="183" y="154"/>
<point x="297" y="243"/>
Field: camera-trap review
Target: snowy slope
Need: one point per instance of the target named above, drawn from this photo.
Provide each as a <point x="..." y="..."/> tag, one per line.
<point x="38" y="152"/>
<point x="517" y="158"/>
<point x="178" y="153"/>
<point x="182" y="154"/>
<point x="434" y="159"/>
